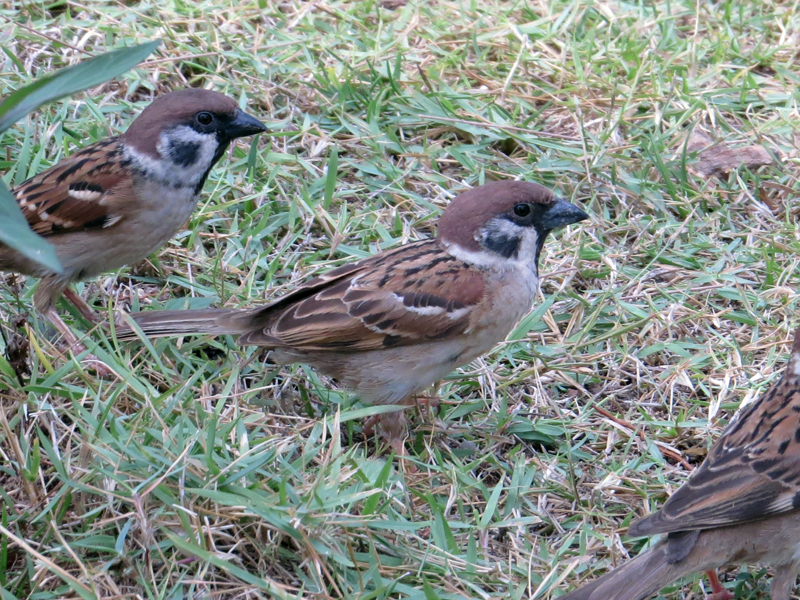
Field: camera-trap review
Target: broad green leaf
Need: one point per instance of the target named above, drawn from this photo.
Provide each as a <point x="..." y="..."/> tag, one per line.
<point x="15" y="233"/>
<point x="14" y="230"/>
<point x="70" y="80"/>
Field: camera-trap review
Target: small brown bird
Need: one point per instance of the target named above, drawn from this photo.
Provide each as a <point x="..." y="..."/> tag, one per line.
<point x="116" y="201"/>
<point x="740" y="506"/>
<point x="395" y="323"/>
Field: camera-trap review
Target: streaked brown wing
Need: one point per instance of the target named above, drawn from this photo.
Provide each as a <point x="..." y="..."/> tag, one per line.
<point x="75" y="193"/>
<point x="753" y="471"/>
<point x="405" y="296"/>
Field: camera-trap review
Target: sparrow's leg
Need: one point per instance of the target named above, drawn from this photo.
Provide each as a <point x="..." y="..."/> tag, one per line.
<point x="718" y="592"/>
<point x="368" y="428"/>
<point x="87" y="312"/>
<point x="783" y="581"/>
<point x="394" y="430"/>
<point x="48" y="291"/>
<point x="428" y="402"/>
<point x="74" y="344"/>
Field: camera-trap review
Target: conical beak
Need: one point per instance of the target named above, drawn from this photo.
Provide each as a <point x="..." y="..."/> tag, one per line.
<point x="561" y="214"/>
<point x="243" y="125"/>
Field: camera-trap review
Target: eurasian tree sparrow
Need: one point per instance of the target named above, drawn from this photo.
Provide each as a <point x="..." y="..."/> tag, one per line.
<point x="741" y="506"/>
<point x="116" y="201"/>
<point x="395" y="323"/>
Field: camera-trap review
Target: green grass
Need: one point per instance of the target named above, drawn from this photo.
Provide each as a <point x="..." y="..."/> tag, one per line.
<point x="207" y="473"/>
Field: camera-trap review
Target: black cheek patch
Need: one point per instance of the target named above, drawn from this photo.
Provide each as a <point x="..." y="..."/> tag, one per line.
<point x="506" y="246"/>
<point x="184" y="153"/>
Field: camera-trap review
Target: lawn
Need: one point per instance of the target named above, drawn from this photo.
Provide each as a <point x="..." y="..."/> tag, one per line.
<point x="204" y="471"/>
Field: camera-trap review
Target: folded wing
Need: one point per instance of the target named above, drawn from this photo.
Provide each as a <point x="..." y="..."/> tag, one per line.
<point x="752" y="472"/>
<point x="413" y="294"/>
<point x="76" y="194"/>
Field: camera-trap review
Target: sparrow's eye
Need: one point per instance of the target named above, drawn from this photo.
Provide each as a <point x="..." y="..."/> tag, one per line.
<point x="204" y="118"/>
<point x="522" y="210"/>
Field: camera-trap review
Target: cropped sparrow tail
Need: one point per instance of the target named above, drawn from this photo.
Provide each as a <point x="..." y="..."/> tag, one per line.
<point x="210" y="321"/>
<point x="637" y="579"/>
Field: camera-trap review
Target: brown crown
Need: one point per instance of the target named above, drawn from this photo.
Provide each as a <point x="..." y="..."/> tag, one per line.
<point x="467" y="213"/>
<point x="173" y="109"/>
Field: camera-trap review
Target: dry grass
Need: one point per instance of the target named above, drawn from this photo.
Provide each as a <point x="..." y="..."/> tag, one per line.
<point x="204" y="474"/>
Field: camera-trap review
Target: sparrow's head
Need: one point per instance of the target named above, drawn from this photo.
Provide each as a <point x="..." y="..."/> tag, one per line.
<point x="508" y="219"/>
<point x="181" y="135"/>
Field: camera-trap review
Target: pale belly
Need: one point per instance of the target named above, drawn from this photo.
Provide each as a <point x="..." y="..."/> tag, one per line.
<point x="133" y="239"/>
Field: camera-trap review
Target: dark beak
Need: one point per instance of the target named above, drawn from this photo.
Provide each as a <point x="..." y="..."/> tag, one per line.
<point x="561" y="214"/>
<point x="243" y="125"/>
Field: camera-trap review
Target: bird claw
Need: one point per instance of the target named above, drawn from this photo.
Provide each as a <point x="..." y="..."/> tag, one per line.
<point x="100" y="368"/>
<point x="718" y="592"/>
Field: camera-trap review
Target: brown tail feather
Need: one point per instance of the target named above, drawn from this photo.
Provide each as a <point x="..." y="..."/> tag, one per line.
<point x="637" y="579"/>
<point x="161" y="323"/>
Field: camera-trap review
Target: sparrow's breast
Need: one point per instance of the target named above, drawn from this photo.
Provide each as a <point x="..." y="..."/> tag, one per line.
<point x="512" y="292"/>
<point x="156" y="216"/>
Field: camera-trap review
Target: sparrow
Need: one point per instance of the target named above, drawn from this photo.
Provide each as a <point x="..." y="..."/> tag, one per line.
<point x="393" y="324"/>
<point x="118" y="200"/>
<point x="740" y="506"/>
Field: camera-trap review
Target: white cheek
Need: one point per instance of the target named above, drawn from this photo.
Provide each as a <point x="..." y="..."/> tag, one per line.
<point x="499" y="229"/>
<point x="483" y="259"/>
<point x="527" y="246"/>
<point x="168" y="172"/>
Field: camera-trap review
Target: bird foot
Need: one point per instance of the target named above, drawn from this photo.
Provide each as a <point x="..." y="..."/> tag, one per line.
<point x="100" y="368"/>
<point x="398" y="445"/>
<point x="368" y="428"/>
<point x="428" y="401"/>
<point x="393" y="431"/>
<point x="718" y="592"/>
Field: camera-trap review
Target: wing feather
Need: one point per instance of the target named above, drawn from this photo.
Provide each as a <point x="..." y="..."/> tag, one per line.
<point x="752" y="472"/>
<point x="76" y="194"/>
<point x="413" y="294"/>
